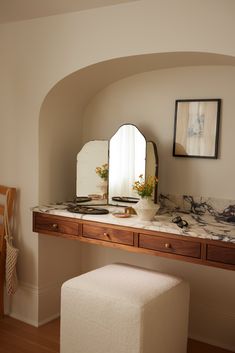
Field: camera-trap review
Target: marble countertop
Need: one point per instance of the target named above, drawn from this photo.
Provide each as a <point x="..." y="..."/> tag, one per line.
<point x="201" y="226"/>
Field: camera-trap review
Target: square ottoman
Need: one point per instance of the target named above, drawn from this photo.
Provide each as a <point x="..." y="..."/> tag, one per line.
<point x="124" y="309"/>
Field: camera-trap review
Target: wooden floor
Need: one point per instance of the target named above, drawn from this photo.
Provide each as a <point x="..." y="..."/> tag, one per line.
<point x="18" y="337"/>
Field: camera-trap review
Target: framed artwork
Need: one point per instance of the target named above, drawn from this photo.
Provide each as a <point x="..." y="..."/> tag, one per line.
<point x="196" y="130"/>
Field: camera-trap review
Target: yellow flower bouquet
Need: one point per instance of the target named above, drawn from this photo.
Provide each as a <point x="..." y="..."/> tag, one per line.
<point x="103" y="171"/>
<point x="144" y="187"/>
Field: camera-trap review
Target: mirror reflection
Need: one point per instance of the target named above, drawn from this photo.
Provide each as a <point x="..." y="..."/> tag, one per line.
<point x="127" y="160"/>
<point x="89" y="183"/>
<point x="126" y="155"/>
<point x="152" y="164"/>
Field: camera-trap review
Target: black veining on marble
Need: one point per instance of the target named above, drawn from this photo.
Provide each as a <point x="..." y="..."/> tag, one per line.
<point x="200" y="208"/>
<point x="218" y="224"/>
<point x="187" y="203"/>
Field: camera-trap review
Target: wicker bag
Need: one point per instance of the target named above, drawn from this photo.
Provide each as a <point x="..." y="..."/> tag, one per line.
<point x="11" y="257"/>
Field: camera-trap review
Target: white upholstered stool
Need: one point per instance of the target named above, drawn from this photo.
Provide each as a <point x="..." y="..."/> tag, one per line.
<point x="124" y="309"/>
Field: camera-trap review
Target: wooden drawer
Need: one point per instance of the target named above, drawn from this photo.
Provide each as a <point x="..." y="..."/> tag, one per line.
<point x="49" y="223"/>
<point x="220" y="254"/>
<point x="108" y="234"/>
<point x="170" y="245"/>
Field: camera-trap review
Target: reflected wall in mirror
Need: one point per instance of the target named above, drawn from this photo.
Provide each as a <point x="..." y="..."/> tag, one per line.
<point x="129" y="156"/>
<point x="127" y="160"/>
<point x="93" y="154"/>
<point x="152" y="164"/>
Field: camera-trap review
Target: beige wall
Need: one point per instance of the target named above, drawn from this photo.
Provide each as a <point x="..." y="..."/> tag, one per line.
<point x="37" y="54"/>
<point x="211" y="291"/>
<point x="148" y="100"/>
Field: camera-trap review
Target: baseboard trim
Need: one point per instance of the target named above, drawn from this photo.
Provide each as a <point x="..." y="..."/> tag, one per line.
<point x="29" y="296"/>
<point x="211" y="342"/>
<point x="216" y="327"/>
<point x="23" y="319"/>
<point x="51" y="318"/>
<point x="33" y="322"/>
<point x="33" y="295"/>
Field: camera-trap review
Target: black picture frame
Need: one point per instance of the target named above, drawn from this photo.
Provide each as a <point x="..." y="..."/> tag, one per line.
<point x="196" y="128"/>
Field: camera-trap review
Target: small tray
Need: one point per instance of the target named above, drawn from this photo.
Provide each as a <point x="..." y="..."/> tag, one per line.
<point x="125" y="199"/>
<point x="121" y="214"/>
<point x="87" y="210"/>
<point x="79" y="199"/>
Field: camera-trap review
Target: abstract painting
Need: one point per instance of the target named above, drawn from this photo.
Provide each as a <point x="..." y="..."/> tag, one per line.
<point x="196" y="130"/>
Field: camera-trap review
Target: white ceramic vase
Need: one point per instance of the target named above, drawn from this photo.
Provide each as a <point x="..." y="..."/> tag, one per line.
<point x="146" y="209"/>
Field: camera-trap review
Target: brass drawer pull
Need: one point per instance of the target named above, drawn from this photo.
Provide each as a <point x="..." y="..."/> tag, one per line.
<point x="55" y="226"/>
<point x="107" y="235"/>
<point x="167" y="245"/>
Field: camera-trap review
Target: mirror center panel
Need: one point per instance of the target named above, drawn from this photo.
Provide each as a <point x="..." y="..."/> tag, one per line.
<point x="127" y="160"/>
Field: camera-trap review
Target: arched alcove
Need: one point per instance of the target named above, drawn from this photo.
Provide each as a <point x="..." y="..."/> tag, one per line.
<point x="61" y="125"/>
<point x="73" y="112"/>
<point x="55" y="73"/>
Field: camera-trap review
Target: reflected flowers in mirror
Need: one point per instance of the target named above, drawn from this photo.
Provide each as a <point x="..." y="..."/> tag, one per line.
<point x="103" y="171"/>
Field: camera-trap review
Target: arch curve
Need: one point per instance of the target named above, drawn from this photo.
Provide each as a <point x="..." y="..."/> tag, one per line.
<point x="60" y="120"/>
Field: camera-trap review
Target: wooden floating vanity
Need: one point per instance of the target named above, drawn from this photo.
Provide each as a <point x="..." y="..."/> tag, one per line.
<point x="208" y="252"/>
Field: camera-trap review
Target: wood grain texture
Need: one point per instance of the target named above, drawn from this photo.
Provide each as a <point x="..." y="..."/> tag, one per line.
<point x="18" y="337"/>
<point x="169" y="245"/>
<point x="55" y="224"/>
<point x="108" y="234"/>
<point x="172" y="246"/>
<point x="221" y="254"/>
<point x="2" y="276"/>
<point x="11" y="193"/>
<point x="11" y="199"/>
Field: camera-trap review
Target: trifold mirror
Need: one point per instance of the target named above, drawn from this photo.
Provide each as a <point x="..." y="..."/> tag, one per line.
<point x="107" y="170"/>
<point x="89" y="184"/>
